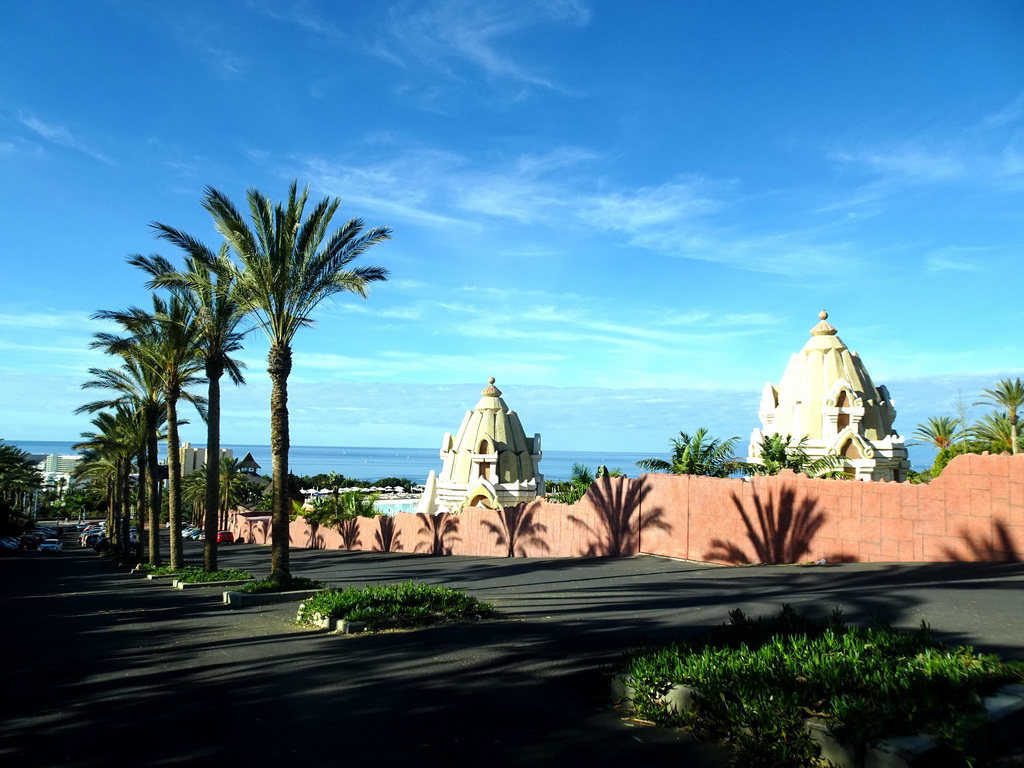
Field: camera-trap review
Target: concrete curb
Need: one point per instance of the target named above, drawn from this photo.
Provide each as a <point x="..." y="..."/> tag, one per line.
<point x="1004" y="709"/>
<point x="203" y="584"/>
<point x="245" y="599"/>
<point x="159" y="576"/>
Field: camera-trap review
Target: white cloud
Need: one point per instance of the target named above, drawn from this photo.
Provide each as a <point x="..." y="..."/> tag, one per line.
<point x="953" y="259"/>
<point x="61" y="136"/>
<point x="476" y="32"/>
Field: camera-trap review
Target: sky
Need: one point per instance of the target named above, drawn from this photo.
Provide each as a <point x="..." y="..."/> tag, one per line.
<point x="629" y="214"/>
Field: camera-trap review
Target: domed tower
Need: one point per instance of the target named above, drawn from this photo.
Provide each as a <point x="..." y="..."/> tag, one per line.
<point x="489" y="463"/>
<point x="827" y="396"/>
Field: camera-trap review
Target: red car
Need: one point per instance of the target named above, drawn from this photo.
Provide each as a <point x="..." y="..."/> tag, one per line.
<point x="225" y="537"/>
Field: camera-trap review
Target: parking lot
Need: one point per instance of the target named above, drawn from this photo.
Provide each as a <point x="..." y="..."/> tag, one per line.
<point x="101" y="661"/>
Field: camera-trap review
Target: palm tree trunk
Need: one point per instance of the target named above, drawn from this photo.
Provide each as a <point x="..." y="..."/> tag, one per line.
<point x="153" y="474"/>
<point x="174" y="482"/>
<point x="143" y="504"/>
<point x="279" y="365"/>
<point x="213" y="372"/>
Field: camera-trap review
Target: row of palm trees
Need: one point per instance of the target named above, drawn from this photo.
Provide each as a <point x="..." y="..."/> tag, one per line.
<point x="274" y="268"/>
<point x="701" y="454"/>
<point x="997" y="431"/>
<point x="20" y="479"/>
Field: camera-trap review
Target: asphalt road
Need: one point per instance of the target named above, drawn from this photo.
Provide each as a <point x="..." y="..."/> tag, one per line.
<point x="105" y="668"/>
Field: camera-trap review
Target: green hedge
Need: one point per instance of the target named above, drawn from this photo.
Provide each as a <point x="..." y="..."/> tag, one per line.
<point x="758" y="680"/>
<point x="409" y="603"/>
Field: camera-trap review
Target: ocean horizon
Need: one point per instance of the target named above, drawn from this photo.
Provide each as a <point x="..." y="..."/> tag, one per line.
<point x="361" y="463"/>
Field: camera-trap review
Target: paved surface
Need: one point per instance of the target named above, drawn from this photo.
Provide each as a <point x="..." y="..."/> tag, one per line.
<point x="105" y="668"/>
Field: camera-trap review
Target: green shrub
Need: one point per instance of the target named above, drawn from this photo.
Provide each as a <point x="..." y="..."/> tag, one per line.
<point x="268" y="585"/>
<point x="193" y="574"/>
<point x="759" y="679"/>
<point x="409" y="603"/>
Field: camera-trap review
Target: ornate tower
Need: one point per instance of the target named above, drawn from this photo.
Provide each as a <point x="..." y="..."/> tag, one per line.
<point x="489" y="463"/>
<point x="827" y="396"/>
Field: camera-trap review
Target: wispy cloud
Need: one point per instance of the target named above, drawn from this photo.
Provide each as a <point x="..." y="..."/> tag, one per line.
<point x="61" y="136"/>
<point x="986" y="152"/>
<point x="956" y="259"/>
<point x="443" y="34"/>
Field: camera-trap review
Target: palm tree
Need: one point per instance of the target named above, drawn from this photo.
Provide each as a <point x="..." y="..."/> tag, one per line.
<point x="137" y="388"/>
<point x="994" y="432"/>
<point x="165" y="342"/>
<point x="19" y="478"/>
<point x="233" y="486"/>
<point x="939" y="432"/>
<point x="576" y="487"/>
<point x="1008" y="396"/>
<point x="116" y="440"/>
<point x="289" y="264"/>
<point x="779" y="453"/>
<point x="697" y="455"/>
<point x="208" y="282"/>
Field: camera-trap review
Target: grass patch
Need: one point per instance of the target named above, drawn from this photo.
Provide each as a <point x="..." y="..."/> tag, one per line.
<point x="192" y="574"/>
<point x="758" y="680"/>
<point x="267" y="585"/>
<point x="407" y="604"/>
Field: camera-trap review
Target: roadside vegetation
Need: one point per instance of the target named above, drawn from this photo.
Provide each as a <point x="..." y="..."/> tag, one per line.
<point x="294" y="583"/>
<point x="756" y="681"/>
<point x="997" y="431"/>
<point x="389" y="605"/>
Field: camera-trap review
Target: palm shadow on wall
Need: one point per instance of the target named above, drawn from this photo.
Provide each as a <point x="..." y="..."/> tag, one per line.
<point x="782" y="532"/>
<point x="257" y="526"/>
<point x="440" y="532"/>
<point x="516" y="529"/>
<point x="315" y="540"/>
<point x="349" y="530"/>
<point x="620" y="524"/>
<point x="386" y="537"/>
<point x="999" y="547"/>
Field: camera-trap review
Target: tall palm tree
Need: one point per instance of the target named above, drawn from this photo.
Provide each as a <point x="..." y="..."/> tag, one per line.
<point x="288" y="265"/>
<point x="938" y="432"/>
<point x="164" y="342"/>
<point x="696" y="454"/>
<point x="1008" y="396"/>
<point x="137" y="388"/>
<point x="208" y="282"/>
<point x="116" y="439"/>
<point x="233" y="485"/>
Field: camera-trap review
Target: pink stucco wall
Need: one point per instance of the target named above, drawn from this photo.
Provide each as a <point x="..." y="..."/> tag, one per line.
<point x="973" y="511"/>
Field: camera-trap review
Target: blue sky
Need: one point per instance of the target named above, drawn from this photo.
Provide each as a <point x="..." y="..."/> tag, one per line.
<point x="630" y="214"/>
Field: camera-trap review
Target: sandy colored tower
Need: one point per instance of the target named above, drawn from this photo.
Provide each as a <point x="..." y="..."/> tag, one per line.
<point x="489" y="463"/>
<point x="827" y="395"/>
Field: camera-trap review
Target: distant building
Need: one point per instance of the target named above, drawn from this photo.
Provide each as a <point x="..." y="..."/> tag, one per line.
<point x="827" y="396"/>
<point x="56" y="464"/>
<point x="489" y="463"/>
<point x="248" y="465"/>
<point x="195" y="458"/>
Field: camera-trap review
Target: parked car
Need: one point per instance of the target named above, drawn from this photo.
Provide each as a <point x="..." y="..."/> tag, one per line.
<point x="225" y="537"/>
<point x="51" y="545"/>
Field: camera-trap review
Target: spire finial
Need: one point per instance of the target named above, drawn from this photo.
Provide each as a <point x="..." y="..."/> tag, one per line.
<point x="823" y="328"/>
<point x="490" y="390"/>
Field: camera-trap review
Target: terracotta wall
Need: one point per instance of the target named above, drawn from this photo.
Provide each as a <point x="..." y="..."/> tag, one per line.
<point x="973" y="511"/>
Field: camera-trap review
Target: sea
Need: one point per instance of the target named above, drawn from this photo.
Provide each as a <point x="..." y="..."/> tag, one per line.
<point x="376" y="463"/>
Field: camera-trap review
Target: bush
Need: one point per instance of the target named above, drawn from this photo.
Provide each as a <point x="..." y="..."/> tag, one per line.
<point x="758" y="681"/>
<point x="268" y="585"/>
<point x="408" y="604"/>
<point x="193" y="574"/>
